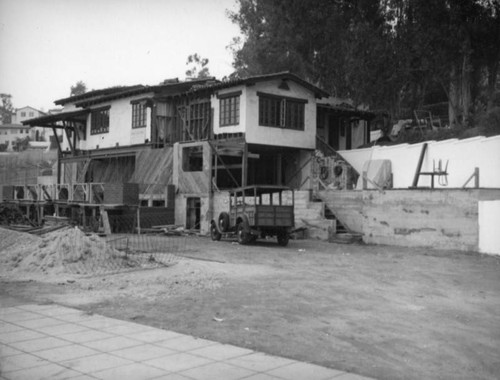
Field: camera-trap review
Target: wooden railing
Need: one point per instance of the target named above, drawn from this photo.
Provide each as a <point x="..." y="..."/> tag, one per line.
<point x="65" y="192"/>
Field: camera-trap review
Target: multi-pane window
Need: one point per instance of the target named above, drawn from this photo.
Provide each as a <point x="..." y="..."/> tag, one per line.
<point x="230" y="109"/>
<point x="99" y="121"/>
<point x="283" y="112"/>
<point x="138" y="115"/>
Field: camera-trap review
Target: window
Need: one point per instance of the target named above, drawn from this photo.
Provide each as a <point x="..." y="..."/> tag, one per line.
<point x="99" y="121"/>
<point x="192" y="159"/>
<point x="23" y="114"/>
<point x="31" y="114"/>
<point x="229" y="109"/>
<point x="138" y="115"/>
<point x="283" y="112"/>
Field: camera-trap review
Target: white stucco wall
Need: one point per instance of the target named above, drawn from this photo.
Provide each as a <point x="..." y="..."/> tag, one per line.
<point x="249" y="116"/>
<point x="462" y="156"/>
<point x="120" y="126"/>
<point x="489" y="220"/>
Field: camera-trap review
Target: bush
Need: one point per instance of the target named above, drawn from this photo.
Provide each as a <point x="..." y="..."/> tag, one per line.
<point x="490" y="122"/>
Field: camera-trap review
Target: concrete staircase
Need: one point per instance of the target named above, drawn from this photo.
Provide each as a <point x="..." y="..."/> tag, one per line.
<point x="310" y="217"/>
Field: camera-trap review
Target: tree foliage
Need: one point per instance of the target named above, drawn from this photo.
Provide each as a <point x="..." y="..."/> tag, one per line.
<point x="78" y="89"/>
<point x="6" y="108"/>
<point x="391" y="54"/>
<point x="199" y="67"/>
<point x="21" y="144"/>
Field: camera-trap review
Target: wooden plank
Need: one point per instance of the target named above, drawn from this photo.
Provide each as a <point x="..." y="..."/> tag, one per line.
<point x="105" y="222"/>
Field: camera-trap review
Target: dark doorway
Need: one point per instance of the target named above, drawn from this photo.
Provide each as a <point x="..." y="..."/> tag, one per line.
<point x="193" y="213"/>
<point x="333" y="132"/>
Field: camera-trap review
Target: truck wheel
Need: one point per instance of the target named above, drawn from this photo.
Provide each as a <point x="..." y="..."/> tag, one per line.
<point x="243" y="236"/>
<point x="214" y="234"/>
<point x="224" y="221"/>
<point x="283" y="238"/>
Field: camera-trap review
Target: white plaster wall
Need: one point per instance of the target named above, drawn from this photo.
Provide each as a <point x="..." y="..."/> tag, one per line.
<point x="462" y="156"/>
<point x="120" y="126"/>
<point x="489" y="220"/>
<point x="256" y="134"/>
<point x="249" y="116"/>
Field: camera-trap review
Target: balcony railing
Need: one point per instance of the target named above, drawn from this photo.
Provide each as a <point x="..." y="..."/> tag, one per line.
<point x="92" y="193"/>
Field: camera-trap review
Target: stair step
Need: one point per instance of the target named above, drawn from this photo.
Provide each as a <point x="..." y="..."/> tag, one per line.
<point x="347" y="238"/>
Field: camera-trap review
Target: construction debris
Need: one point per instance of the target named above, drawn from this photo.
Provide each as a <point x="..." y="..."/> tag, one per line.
<point x="66" y="250"/>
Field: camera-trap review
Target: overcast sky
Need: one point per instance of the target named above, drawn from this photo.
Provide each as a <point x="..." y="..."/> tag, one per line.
<point x="46" y="46"/>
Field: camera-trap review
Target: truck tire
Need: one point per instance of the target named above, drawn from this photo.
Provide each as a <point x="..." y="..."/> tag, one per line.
<point x="214" y="233"/>
<point x="243" y="236"/>
<point x="223" y="221"/>
<point x="283" y="238"/>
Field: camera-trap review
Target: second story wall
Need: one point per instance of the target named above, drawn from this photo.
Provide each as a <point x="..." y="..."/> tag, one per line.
<point x="120" y="122"/>
<point x="297" y="130"/>
<point x="268" y="112"/>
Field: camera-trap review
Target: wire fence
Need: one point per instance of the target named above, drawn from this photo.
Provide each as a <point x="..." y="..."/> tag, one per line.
<point x="70" y="249"/>
<point x="95" y="255"/>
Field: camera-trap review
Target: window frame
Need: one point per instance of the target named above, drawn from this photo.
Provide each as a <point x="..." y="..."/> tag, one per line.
<point x="99" y="120"/>
<point x="229" y="108"/>
<point x="139" y="115"/>
<point x="278" y="111"/>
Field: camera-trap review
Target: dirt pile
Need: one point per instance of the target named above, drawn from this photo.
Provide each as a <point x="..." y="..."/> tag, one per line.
<point x="66" y="250"/>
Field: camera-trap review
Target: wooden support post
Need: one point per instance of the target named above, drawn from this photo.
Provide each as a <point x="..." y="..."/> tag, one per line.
<point x="419" y="165"/>
<point x="66" y="131"/>
<point x="138" y="215"/>
<point x="244" y="169"/>
<point x="279" y="161"/>
<point x="474" y="175"/>
<point x="54" y="130"/>
<point x="105" y="221"/>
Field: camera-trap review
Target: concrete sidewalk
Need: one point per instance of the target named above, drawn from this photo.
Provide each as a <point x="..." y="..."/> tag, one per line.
<point x="56" y="342"/>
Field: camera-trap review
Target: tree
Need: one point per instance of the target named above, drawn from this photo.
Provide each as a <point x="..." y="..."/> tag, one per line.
<point x="391" y="54"/>
<point x="78" y="89"/>
<point x="199" y="68"/>
<point x="21" y="144"/>
<point x="6" y="108"/>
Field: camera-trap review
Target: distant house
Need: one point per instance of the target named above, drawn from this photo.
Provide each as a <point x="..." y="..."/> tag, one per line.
<point x="9" y="133"/>
<point x="190" y="140"/>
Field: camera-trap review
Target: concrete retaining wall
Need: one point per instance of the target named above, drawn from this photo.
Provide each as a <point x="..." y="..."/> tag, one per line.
<point x="489" y="226"/>
<point x="419" y="218"/>
<point x="441" y="219"/>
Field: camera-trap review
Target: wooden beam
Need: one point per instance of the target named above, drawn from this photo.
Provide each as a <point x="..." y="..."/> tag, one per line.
<point x="66" y="131"/>
<point x="57" y="140"/>
<point x="244" y="163"/>
<point x="419" y="165"/>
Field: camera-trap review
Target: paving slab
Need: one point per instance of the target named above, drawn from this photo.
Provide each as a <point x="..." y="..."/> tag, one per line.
<point x="46" y="371"/>
<point x="40" y="344"/>
<point x="218" y="370"/>
<point x="95" y="363"/>
<point x="130" y="371"/>
<point x="144" y="352"/>
<point x="57" y="342"/>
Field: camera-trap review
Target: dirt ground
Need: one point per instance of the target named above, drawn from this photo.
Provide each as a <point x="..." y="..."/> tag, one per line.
<point x="384" y="312"/>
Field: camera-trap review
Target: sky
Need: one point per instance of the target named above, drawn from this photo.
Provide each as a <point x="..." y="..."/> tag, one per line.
<point x="47" y="46"/>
